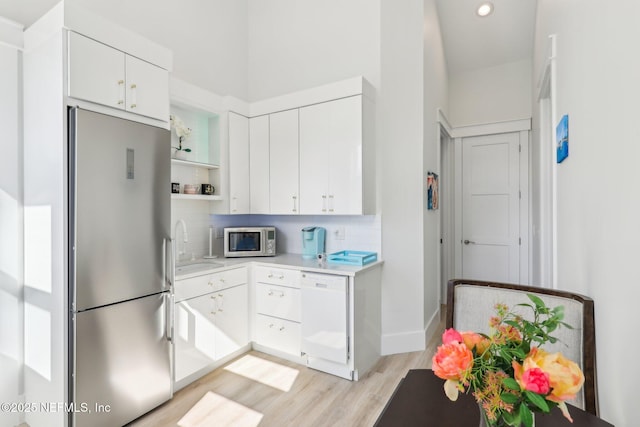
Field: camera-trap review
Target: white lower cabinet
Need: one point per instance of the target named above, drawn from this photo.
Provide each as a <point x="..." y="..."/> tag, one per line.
<point x="278" y="334"/>
<point x="277" y="321"/>
<point x="210" y="326"/>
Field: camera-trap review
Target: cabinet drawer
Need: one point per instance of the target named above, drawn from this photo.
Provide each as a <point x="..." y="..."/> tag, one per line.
<point x="278" y="301"/>
<point x="200" y="285"/>
<point x="278" y="334"/>
<point x="278" y="276"/>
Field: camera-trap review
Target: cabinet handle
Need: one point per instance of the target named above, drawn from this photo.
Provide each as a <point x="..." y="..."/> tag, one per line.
<point x="272" y="293"/>
<point x="281" y="328"/>
<point x="210" y="283"/>
<point x="271" y="325"/>
<point x="294" y="203"/>
<point x="134" y="100"/>
<point x="330" y="202"/>
<point x="121" y="92"/>
<point x="324" y="203"/>
<point x="222" y="280"/>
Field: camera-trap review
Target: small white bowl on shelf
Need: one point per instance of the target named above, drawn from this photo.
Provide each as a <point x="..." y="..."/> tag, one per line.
<point x="191" y="189"/>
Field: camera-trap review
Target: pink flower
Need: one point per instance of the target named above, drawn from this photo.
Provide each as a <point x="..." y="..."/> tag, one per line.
<point x="535" y="380"/>
<point x="452" y="361"/>
<point x="451" y="335"/>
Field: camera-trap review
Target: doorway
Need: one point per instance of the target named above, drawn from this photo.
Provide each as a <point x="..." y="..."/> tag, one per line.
<point x="492" y="226"/>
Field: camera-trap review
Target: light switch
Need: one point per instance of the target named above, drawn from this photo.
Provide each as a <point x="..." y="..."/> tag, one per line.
<point x="339" y="233"/>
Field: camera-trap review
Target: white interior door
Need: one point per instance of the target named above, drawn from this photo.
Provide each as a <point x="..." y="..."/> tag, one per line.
<point x="491" y="207"/>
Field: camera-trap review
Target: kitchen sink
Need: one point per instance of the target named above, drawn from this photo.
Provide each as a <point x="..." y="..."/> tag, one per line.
<point x="197" y="266"/>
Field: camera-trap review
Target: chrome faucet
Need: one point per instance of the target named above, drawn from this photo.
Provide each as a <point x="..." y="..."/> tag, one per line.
<point x="185" y="238"/>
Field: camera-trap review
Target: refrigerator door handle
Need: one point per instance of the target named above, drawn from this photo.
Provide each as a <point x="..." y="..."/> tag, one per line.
<point x="169" y="316"/>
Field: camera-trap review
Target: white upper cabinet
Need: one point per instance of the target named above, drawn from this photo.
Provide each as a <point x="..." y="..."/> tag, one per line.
<point x="101" y="74"/>
<point x="96" y="72"/>
<point x="147" y="89"/>
<point x="331" y="158"/>
<point x="259" y="164"/>
<point x="283" y="164"/>
<point x="238" y="164"/>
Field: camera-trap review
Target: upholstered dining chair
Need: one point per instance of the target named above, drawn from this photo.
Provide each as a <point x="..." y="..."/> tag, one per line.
<point x="470" y="304"/>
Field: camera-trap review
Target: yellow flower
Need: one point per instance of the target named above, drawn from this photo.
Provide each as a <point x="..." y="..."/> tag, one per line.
<point x="565" y="376"/>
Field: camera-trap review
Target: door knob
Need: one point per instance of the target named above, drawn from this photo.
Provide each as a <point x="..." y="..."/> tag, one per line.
<point x="466" y="242"/>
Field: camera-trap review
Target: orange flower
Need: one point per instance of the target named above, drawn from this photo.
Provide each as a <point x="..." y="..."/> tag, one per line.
<point x="471" y="340"/>
<point x="452" y="361"/>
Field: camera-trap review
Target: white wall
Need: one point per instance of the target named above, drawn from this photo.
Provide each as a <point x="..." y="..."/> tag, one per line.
<point x="598" y="203"/>
<point x="295" y="45"/>
<point x="11" y="279"/>
<point x="435" y="96"/>
<point x="209" y="39"/>
<point x="400" y="138"/>
<point x="488" y="95"/>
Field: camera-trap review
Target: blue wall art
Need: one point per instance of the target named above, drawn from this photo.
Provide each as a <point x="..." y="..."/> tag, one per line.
<point x="562" y="139"/>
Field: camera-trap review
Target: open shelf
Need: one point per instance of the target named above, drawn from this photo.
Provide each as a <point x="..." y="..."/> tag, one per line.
<point x="195" y="197"/>
<point x="194" y="164"/>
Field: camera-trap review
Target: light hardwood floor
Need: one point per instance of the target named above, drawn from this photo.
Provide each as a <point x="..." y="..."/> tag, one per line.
<point x="259" y="389"/>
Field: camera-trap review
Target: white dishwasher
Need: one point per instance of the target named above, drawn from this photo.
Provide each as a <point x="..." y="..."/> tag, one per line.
<point x="325" y="322"/>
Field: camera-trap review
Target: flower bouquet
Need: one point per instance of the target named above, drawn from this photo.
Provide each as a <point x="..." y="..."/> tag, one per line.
<point x="510" y="376"/>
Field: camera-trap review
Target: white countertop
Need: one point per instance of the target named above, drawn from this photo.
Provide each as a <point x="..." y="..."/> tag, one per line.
<point x="294" y="261"/>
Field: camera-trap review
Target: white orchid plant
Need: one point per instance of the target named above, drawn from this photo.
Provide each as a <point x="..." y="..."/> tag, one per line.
<point x="182" y="132"/>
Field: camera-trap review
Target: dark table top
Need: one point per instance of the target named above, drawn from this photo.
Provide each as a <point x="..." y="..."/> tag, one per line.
<point x="419" y="400"/>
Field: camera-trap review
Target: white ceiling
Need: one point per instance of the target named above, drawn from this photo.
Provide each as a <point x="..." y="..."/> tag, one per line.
<point x="25" y="12"/>
<point x="470" y="42"/>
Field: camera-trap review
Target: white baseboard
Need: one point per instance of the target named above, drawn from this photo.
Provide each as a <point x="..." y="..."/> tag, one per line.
<point x="406" y="342"/>
<point x="403" y="342"/>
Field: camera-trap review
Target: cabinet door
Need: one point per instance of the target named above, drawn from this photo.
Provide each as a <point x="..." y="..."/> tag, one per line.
<point x="283" y="173"/>
<point x="314" y="158"/>
<point x="96" y="72"/>
<point x="232" y="320"/>
<point x="345" y="157"/>
<point x="194" y="332"/>
<point x="259" y="164"/>
<point x="147" y="89"/>
<point x="238" y="164"/>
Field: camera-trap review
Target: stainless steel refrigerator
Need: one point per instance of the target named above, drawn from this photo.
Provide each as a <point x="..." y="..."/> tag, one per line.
<point x="119" y="256"/>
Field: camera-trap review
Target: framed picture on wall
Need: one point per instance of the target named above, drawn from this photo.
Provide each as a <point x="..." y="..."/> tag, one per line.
<point x="432" y="191"/>
<point x="562" y="139"/>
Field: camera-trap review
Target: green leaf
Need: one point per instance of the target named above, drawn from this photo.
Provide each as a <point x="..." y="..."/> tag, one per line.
<point x="509" y="398"/>
<point x="537" y="301"/>
<point x="526" y="416"/>
<point x="519" y="353"/>
<point x="511" y="384"/>
<point x="188" y="150"/>
<point x="537" y="400"/>
<point x="512" y="418"/>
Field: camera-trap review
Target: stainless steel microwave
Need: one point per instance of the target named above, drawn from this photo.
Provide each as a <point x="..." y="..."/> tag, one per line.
<point x="249" y="241"/>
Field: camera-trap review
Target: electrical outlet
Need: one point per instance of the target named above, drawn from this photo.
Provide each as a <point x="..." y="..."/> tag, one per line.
<point x="219" y="233"/>
<point x="339" y="233"/>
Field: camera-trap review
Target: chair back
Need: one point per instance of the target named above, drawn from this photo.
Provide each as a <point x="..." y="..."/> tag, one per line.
<point x="470" y="304"/>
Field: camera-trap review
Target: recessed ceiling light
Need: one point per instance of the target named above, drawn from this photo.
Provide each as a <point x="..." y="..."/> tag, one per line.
<point x="485" y="9"/>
